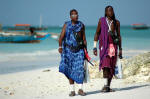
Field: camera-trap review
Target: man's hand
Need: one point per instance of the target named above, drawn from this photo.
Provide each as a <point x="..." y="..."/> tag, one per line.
<point x="120" y="54"/>
<point x="95" y="51"/>
<point x="60" y="50"/>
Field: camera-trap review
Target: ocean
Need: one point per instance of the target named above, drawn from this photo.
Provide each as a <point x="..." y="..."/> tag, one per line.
<point x="17" y="57"/>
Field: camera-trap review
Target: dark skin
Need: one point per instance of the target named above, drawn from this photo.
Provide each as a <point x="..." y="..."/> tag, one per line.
<point x="74" y="19"/>
<point x="109" y="14"/>
<point x="98" y="30"/>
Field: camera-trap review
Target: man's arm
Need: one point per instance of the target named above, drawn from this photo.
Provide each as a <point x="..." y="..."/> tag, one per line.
<point x="98" y="30"/>
<point x="62" y="35"/>
<point x="118" y="33"/>
<point x="120" y="40"/>
<point x="96" y="37"/>
<point x="84" y="36"/>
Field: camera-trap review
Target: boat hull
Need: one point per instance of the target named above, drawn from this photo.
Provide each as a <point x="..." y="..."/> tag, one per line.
<point x="139" y="26"/>
<point x="23" y="39"/>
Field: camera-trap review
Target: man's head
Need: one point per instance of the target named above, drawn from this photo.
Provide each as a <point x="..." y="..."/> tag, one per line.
<point x="109" y="12"/>
<point x="74" y="15"/>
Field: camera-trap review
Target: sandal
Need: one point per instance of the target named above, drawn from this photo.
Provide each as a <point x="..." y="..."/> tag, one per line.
<point x="72" y="93"/>
<point x="107" y="89"/>
<point x="81" y="92"/>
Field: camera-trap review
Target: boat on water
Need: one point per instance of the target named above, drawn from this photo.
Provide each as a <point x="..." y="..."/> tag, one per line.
<point x="28" y="26"/>
<point x="22" y="37"/>
<point x="25" y="27"/>
<point x="55" y="36"/>
<point x="139" y="26"/>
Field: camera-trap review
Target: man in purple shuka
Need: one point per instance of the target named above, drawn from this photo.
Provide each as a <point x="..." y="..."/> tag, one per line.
<point x="108" y="34"/>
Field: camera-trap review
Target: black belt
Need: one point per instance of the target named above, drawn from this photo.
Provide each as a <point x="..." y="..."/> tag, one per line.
<point x="74" y="49"/>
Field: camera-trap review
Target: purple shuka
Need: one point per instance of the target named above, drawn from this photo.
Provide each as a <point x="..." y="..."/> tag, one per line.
<point x="104" y="40"/>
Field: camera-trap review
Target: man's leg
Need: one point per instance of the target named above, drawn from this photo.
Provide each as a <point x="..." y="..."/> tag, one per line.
<point x="72" y="88"/>
<point x="106" y="75"/>
<point x="109" y="81"/>
<point x="81" y="92"/>
<point x="71" y="81"/>
<point x="107" y="78"/>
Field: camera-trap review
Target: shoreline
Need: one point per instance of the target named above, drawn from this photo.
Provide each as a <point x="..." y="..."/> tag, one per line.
<point x="21" y="62"/>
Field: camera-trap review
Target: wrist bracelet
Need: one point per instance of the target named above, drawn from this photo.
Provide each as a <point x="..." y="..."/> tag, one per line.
<point x="95" y="49"/>
<point x="60" y="47"/>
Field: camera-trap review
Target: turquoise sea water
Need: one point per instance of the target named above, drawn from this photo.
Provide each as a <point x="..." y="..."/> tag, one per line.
<point x="23" y="56"/>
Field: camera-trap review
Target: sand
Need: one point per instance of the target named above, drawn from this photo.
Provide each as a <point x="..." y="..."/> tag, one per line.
<point x="48" y="83"/>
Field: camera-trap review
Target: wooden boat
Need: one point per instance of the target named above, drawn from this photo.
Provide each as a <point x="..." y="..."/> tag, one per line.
<point x="25" y="27"/>
<point x="139" y="26"/>
<point x="21" y="38"/>
<point x="55" y="36"/>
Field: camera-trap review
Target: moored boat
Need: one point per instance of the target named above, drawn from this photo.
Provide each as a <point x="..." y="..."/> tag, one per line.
<point x="22" y="38"/>
<point x="139" y="26"/>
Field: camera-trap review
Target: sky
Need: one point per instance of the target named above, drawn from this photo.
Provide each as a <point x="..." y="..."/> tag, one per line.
<point x="56" y="12"/>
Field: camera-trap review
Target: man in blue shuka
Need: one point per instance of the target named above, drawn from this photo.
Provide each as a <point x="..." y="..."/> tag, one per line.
<point x="72" y="53"/>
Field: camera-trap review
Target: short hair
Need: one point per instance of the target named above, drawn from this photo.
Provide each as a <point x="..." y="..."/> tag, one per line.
<point x="73" y="10"/>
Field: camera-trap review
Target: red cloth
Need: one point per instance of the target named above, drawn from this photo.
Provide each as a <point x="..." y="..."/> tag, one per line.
<point x="110" y="62"/>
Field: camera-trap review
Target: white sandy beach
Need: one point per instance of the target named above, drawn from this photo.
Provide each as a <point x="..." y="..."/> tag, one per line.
<point x="52" y="84"/>
<point x="48" y="83"/>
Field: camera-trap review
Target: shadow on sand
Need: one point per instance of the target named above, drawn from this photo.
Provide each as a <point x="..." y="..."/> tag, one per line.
<point x="119" y="89"/>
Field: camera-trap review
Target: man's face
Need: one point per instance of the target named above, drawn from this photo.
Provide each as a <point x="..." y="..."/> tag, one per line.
<point x="74" y="16"/>
<point x="110" y="12"/>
